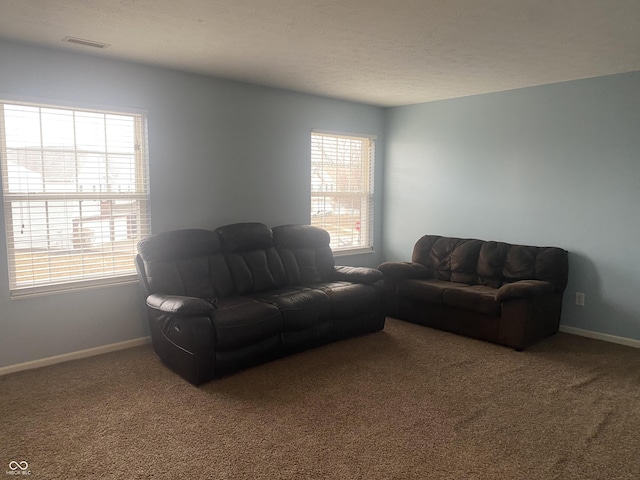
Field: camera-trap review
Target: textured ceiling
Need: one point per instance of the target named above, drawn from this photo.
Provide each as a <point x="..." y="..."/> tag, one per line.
<point x="382" y="52"/>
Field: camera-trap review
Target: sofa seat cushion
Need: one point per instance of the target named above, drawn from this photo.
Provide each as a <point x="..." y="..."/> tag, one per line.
<point x="300" y="307"/>
<point x="477" y="298"/>
<point x="429" y="290"/>
<point x="241" y="321"/>
<point x="348" y="300"/>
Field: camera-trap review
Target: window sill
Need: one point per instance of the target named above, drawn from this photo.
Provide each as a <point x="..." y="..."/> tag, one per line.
<point x="71" y="287"/>
<point x="355" y="251"/>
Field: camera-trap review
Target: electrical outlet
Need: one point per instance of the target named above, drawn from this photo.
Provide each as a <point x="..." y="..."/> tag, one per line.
<point x="580" y="298"/>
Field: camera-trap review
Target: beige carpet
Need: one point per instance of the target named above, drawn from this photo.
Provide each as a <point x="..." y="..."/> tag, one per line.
<point x="406" y="403"/>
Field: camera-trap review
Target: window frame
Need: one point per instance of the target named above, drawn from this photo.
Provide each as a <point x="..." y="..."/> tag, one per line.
<point x="367" y="195"/>
<point x="139" y="199"/>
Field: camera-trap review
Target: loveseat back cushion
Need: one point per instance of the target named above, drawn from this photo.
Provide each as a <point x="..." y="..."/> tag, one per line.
<point x="491" y="263"/>
<point x="185" y="262"/>
<point x="448" y="258"/>
<point x="252" y="258"/>
<point x="477" y="262"/>
<point x="548" y="264"/>
<point x="464" y="261"/>
<point x="305" y="253"/>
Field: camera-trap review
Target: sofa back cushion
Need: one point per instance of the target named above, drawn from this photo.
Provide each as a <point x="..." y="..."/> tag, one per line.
<point x="476" y="262"/>
<point x="252" y="258"/>
<point x="305" y="253"/>
<point x="186" y="262"/>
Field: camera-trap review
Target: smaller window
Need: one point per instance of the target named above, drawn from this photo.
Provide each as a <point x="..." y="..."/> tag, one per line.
<point x="342" y="189"/>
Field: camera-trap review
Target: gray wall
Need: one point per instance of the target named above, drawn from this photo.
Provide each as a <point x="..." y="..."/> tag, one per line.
<point x="553" y="165"/>
<point x="220" y="152"/>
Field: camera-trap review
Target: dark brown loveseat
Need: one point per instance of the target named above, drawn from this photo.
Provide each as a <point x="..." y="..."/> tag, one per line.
<point x="494" y="291"/>
<point x="222" y="300"/>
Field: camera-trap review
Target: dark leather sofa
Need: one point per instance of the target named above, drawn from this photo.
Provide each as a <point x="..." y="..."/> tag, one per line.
<point x="219" y="301"/>
<point x="494" y="291"/>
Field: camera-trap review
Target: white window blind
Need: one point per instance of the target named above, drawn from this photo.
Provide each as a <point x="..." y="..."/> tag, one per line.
<point x="75" y="190"/>
<point x="342" y="189"/>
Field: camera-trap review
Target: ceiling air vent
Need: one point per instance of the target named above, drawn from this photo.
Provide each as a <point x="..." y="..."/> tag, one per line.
<point x="85" y="43"/>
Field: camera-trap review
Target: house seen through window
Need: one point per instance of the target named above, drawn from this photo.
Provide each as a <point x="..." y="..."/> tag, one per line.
<point x="342" y="189"/>
<point x="75" y="192"/>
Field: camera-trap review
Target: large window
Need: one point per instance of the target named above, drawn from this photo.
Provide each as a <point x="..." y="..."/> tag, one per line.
<point x="342" y="189"/>
<point x="75" y="189"/>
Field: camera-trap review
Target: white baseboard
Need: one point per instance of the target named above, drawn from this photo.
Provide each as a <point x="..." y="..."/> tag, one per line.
<point x="629" y="342"/>
<point x="65" y="357"/>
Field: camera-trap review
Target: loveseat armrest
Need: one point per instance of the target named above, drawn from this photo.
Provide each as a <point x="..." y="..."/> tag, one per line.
<point x="179" y="306"/>
<point x="398" y="271"/>
<point x="524" y="289"/>
<point x="357" y="274"/>
<point x="395" y="273"/>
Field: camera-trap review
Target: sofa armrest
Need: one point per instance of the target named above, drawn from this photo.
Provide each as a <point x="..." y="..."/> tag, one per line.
<point x="403" y="270"/>
<point x="183" y="335"/>
<point x="179" y="306"/>
<point x="357" y="274"/>
<point x="524" y="289"/>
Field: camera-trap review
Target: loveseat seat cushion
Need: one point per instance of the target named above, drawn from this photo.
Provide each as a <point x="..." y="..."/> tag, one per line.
<point x="426" y="290"/>
<point x="476" y="298"/>
<point x="241" y="321"/>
